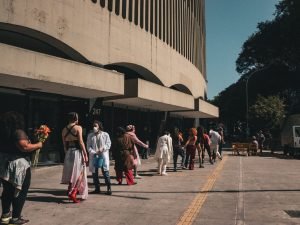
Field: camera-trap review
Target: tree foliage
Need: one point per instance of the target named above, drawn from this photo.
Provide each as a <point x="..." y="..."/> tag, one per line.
<point x="276" y="42"/>
<point x="268" y="112"/>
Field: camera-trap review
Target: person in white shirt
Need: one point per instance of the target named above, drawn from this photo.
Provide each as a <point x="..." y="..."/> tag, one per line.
<point x="98" y="145"/>
<point x="215" y="138"/>
<point x="164" y="152"/>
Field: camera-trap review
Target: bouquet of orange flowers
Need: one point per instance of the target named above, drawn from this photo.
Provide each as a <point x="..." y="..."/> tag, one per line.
<point x="41" y="134"/>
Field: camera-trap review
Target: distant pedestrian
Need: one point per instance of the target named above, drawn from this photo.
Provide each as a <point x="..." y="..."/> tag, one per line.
<point x="222" y="142"/>
<point x="268" y="141"/>
<point x="200" y="147"/>
<point x="146" y="139"/>
<point x="122" y="150"/>
<point x="178" y="149"/>
<point x="164" y="152"/>
<point x="215" y="138"/>
<point x="190" y="146"/>
<point x="98" y="145"/>
<point x="74" y="171"/>
<point x="15" y="173"/>
<point x="261" y="139"/>
<point x="130" y="130"/>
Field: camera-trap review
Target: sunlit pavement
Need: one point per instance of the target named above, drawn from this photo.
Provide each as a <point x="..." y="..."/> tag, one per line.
<point x="238" y="190"/>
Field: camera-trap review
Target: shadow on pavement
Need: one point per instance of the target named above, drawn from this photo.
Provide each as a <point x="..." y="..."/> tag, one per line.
<point x="47" y="199"/>
<point x="212" y="191"/>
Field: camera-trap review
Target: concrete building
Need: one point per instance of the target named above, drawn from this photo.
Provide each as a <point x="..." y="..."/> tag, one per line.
<point x="123" y="61"/>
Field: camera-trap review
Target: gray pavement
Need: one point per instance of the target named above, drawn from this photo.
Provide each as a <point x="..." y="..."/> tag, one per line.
<point x="248" y="190"/>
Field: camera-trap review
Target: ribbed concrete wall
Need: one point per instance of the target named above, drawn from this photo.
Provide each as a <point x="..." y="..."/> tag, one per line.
<point x="164" y="36"/>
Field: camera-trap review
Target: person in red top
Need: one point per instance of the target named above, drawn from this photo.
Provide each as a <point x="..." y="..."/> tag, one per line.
<point x="190" y="146"/>
<point x="204" y="141"/>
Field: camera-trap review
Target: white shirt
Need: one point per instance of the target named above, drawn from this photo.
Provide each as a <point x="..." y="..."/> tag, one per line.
<point x="95" y="142"/>
<point x="215" y="137"/>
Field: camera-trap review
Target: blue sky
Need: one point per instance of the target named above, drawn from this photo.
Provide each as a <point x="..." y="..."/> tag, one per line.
<point x="229" y="23"/>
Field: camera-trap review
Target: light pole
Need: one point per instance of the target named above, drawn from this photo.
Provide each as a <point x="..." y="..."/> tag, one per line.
<point x="247" y="97"/>
<point x="247" y="106"/>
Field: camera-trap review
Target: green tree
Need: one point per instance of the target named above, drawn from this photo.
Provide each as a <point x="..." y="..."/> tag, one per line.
<point x="275" y="43"/>
<point x="267" y="112"/>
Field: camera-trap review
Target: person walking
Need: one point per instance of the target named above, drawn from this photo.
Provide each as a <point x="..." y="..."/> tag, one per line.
<point x="122" y="151"/>
<point x="164" y="152"/>
<point x="98" y="145"/>
<point x="130" y="130"/>
<point x="261" y="139"/>
<point x="74" y="170"/>
<point x="190" y="146"/>
<point x="215" y="138"/>
<point x="15" y="173"/>
<point x="222" y="142"/>
<point x="205" y="140"/>
<point x="178" y="149"/>
<point x="200" y="147"/>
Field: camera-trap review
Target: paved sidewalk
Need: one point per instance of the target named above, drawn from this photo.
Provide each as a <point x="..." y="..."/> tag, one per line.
<point x="238" y="190"/>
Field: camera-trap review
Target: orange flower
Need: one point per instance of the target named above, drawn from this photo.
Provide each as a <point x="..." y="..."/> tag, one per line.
<point x="42" y="133"/>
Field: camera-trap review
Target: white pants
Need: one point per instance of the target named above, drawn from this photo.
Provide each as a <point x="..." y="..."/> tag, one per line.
<point x="162" y="166"/>
<point x="214" y="148"/>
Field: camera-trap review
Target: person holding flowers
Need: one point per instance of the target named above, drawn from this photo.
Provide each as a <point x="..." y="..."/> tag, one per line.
<point x="41" y="135"/>
<point x="74" y="171"/>
<point x="15" y="173"/>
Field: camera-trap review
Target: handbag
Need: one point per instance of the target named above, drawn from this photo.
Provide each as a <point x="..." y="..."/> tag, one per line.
<point x="98" y="161"/>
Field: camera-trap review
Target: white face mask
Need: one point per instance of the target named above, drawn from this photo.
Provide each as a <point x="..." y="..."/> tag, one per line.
<point x="95" y="129"/>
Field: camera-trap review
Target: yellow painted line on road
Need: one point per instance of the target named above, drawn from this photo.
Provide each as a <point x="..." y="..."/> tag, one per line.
<point x="193" y="209"/>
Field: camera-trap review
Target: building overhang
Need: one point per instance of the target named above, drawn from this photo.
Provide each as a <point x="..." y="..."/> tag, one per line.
<point x="28" y="70"/>
<point x="147" y="95"/>
<point x="202" y="109"/>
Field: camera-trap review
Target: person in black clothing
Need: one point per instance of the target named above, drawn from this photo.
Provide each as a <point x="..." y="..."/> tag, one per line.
<point x="178" y="149"/>
<point x="146" y="139"/>
<point x="15" y="173"/>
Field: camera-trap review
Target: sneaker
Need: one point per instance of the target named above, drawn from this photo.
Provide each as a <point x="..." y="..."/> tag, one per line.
<point x="17" y="221"/>
<point x="6" y="217"/>
<point x="201" y="166"/>
<point x="164" y="174"/>
<point x="138" y="177"/>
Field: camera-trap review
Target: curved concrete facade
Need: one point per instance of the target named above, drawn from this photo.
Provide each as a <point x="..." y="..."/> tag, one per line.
<point x="153" y="34"/>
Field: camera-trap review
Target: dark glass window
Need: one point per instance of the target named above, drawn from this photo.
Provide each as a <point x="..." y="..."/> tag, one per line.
<point x="136" y="12"/>
<point x="151" y="16"/>
<point x="110" y="5"/>
<point x="174" y="25"/>
<point x="159" y="19"/>
<point x="167" y="22"/>
<point x="130" y="10"/>
<point x="142" y="14"/>
<point x="164" y="20"/>
<point x="117" y="7"/>
<point x="102" y="3"/>
<point x="124" y="8"/>
<point x="147" y="15"/>
<point x="155" y="19"/>
<point x="171" y="19"/>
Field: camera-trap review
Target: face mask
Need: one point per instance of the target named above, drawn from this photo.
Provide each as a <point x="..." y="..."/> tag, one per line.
<point x="96" y="129"/>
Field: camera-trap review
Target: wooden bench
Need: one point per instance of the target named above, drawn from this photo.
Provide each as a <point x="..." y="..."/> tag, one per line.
<point x="238" y="147"/>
